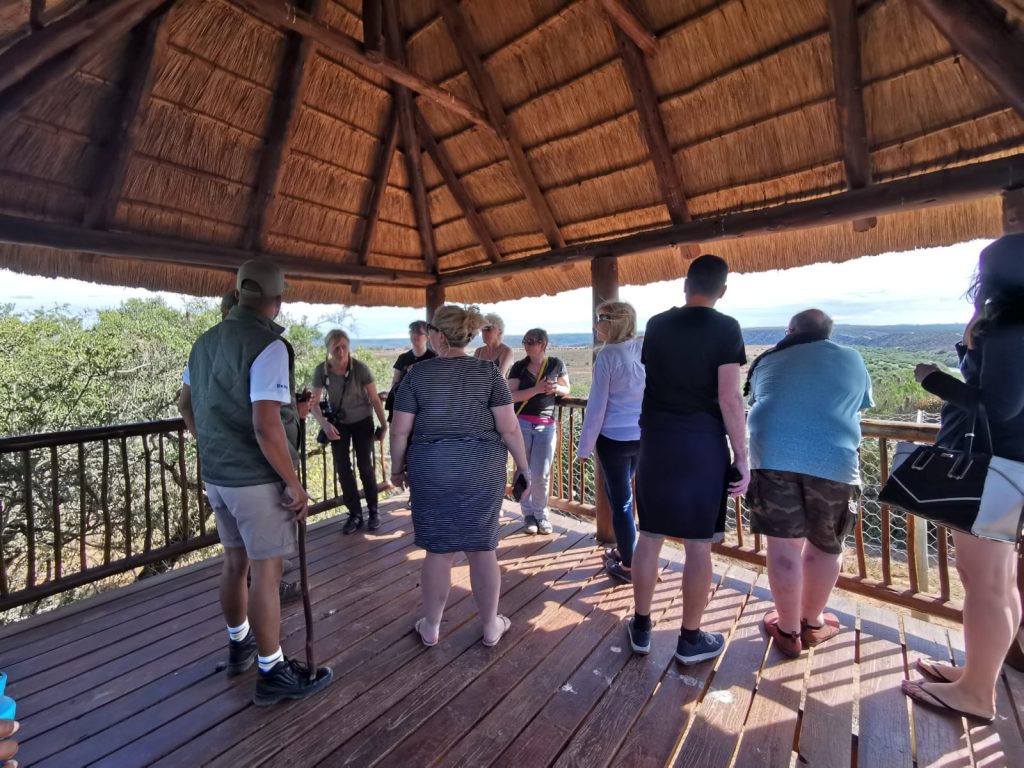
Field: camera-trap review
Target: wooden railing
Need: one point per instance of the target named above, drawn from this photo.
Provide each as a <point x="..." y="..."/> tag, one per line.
<point x="80" y="506"/>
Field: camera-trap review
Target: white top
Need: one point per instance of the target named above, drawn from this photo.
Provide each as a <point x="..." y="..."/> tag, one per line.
<point x="268" y="375"/>
<point x="616" y="394"/>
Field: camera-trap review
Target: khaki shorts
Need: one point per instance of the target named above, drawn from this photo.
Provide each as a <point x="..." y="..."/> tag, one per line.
<point x="252" y="517"/>
<point x="791" y="505"/>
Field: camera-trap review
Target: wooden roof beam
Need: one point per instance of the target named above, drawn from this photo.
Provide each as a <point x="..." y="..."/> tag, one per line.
<point x="459" y="32"/>
<point x="922" y="191"/>
<point x="37" y="14"/>
<point x="287" y="16"/>
<point x="980" y="31"/>
<point x="410" y="140"/>
<point x="627" y="21"/>
<point x="113" y="160"/>
<point x="373" y="30"/>
<point x="280" y="130"/>
<point x="380" y="185"/>
<point x="845" y="37"/>
<point x="458" y="190"/>
<point x="64" y="237"/>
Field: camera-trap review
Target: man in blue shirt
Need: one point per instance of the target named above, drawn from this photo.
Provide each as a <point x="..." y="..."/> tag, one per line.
<point x="806" y="396"/>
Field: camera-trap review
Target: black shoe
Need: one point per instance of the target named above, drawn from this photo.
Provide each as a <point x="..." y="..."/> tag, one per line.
<point x="373" y="523"/>
<point x="639" y="639"/>
<point x="289" y="679"/>
<point x="241" y="654"/>
<point x="353" y="524"/>
<point x="289" y="591"/>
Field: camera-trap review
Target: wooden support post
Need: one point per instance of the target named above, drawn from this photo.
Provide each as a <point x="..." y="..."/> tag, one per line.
<point x="484" y="84"/>
<point x="980" y="31"/>
<point x="604" y="280"/>
<point x="373" y="25"/>
<point x="37" y="14"/>
<point x="435" y="300"/>
<point x="114" y="158"/>
<point x="1013" y="211"/>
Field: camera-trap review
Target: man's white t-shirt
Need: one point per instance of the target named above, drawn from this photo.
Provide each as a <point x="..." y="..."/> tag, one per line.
<point x="268" y="375"/>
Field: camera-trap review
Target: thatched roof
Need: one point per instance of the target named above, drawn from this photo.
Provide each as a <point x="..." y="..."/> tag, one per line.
<point x="746" y="93"/>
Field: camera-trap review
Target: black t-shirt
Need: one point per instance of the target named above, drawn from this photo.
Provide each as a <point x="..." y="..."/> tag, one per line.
<point x="408" y="358"/>
<point x="682" y="351"/>
<point x="538" y="405"/>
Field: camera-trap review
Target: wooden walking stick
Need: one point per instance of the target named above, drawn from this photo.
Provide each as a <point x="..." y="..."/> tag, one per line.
<point x="306" y="607"/>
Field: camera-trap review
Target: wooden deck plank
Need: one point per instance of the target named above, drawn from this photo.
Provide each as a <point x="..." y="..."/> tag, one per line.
<point x="769" y="734"/>
<point x="883" y="735"/>
<point x="1002" y="743"/>
<point x="826" y="728"/>
<point x="938" y="740"/>
<point x="718" y="722"/>
<point x="194" y="712"/>
<point x="544" y="737"/>
<point x="656" y="735"/>
<point x="448" y="737"/>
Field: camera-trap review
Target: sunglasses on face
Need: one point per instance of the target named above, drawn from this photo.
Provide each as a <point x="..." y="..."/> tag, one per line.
<point x="487" y="328"/>
<point x="433" y="328"/>
<point x="529" y="342"/>
<point x="603" y="317"/>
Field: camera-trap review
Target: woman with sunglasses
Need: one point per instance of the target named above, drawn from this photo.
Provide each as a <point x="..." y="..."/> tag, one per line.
<point x="535" y="382"/>
<point x="611" y="424"/>
<point x="420" y="351"/>
<point x="494" y="349"/>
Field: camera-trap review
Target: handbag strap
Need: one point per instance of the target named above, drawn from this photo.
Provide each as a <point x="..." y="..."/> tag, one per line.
<point x="970" y="435"/>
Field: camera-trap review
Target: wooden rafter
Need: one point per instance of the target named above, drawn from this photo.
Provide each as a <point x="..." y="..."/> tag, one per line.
<point x="373" y="29"/>
<point x="922" y="191"/>
<point x="168" y="250"/>
<point x="62" y="62"/>
<point x="113" y="160"/>
<point x="37" y="13"/>
<point x="845" y="37"/>
<point x="628" y="21"/>
<point x="410" y="140"/>
<point x="380" y="185"/>
<point x="280" y="131"/>
<point x="287" y="16"/>
<point x="484" y="84"/>
<point x="980" y="31"/>
<point x="653" y="128"/>
<point x="458" y="190"/>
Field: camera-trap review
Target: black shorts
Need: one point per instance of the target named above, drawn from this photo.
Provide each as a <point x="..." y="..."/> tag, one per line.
<point x="791" y="505"/>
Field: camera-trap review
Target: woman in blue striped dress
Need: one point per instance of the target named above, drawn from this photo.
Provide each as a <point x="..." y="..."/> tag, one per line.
<point x="452" y="430"/>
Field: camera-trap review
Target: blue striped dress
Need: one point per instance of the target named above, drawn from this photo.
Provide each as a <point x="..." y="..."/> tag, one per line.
<point x="456" y="458"/>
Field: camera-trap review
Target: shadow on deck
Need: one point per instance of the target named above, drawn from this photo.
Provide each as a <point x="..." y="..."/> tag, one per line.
<point x="130" y="678"/>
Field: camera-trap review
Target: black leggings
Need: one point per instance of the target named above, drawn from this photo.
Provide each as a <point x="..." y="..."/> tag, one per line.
<point x="361" y="436"/>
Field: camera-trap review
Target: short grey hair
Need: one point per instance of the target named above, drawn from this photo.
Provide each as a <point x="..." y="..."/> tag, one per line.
<point x="495" y="320"/>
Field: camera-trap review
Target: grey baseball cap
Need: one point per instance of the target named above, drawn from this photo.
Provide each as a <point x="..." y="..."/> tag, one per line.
<point x="258" y="279"/>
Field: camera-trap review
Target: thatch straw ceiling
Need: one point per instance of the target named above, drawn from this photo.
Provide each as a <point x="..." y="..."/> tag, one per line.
<point x="745" y="95"/>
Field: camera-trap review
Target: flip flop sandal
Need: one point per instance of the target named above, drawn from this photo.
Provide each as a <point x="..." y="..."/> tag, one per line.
<point x="920" y="695"/>
<point x="506" y="623"/>
<point x="930" y="669"/>
<point x="423" y="638"/>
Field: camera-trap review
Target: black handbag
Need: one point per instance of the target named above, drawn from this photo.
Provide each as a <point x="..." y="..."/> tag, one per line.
<point x="943" y="485"/>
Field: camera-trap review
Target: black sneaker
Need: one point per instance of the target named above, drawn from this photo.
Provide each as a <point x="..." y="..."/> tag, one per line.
<point x="241" y="654"/>
<point x="373" y="523"/>
<point x="289" y="679"/>
<point x="707" y="646"/>
<point x="289" y="591"/>
<point x="639" y="639"/>
<point x="353" y="524"/>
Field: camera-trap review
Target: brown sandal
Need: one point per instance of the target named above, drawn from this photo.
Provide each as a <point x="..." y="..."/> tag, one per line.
<point x="788" y="643"/>
<point x="813" y="636"/>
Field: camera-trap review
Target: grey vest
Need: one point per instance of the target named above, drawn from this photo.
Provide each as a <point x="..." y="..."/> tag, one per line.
<point x="219" y="378"/>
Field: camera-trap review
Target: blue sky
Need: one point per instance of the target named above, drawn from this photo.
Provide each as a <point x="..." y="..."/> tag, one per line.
<point x="922" y="286"/>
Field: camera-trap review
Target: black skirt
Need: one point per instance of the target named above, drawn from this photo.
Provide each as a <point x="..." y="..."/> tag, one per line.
<point x="681" y="487"/>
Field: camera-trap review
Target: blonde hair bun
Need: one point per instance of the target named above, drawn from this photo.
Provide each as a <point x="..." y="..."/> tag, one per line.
<point x="458" y="324"/>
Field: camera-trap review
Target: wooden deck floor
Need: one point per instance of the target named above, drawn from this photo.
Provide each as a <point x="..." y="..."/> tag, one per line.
<point x="130" y="678"/>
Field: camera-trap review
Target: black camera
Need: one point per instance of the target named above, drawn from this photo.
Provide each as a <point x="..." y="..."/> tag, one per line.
<point x="333" y="415"/>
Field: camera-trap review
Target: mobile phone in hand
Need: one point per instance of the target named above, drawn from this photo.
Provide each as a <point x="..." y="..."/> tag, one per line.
<point x="732" y="475"/>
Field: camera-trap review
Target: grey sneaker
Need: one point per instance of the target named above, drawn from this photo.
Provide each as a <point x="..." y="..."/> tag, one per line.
<point x="531" y="524"/>
<point x="639" y="639"/>
<point x="708" y="646"/>
<point x="544" y="526"/>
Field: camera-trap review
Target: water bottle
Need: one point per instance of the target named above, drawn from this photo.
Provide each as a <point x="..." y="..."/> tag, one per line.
<point x="7" y="705"/>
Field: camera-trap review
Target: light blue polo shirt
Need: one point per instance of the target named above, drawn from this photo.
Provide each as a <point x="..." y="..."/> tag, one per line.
<point x="805" y="411"/>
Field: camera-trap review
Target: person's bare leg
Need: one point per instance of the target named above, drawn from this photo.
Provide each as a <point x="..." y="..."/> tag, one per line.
<point x="786" y="580"/>
<point x="645" y="571"/>
<point x="485" y="577"/>
<point x="436" y="582"/>
<point x="696" y="581"/>
<point x="233" y="592"/>
<point x="820" y="573"/>
<point x="265" y="604"/>
<point x="992" y="613"/>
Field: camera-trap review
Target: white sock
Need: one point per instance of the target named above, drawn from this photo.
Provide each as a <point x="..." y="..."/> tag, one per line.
<point x="238" y="633"/>
<point x="267" y="662"/>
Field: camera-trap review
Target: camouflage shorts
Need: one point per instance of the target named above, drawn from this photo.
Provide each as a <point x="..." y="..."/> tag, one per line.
<point x="791" y="505"/>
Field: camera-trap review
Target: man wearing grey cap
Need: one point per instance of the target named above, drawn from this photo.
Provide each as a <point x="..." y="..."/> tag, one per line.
<point x="238" y="400"/>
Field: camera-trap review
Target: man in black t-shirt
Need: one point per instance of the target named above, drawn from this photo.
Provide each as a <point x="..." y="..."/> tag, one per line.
<point x="692" y="402"/>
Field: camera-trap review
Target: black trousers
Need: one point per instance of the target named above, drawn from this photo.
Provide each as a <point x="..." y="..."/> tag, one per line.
<point x="359" y="435"/>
